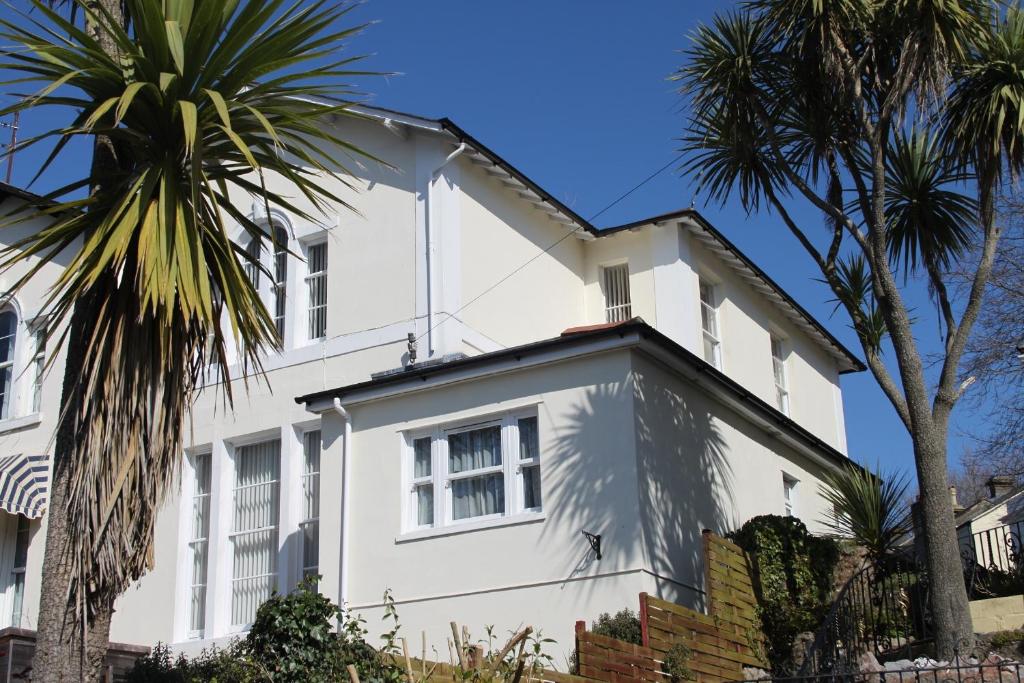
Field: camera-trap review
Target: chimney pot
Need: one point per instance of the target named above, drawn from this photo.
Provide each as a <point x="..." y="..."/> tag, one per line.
<point x="957" y="507"/>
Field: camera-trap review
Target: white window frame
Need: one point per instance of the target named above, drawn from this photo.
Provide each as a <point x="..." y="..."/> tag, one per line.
<point x="713" y="308"/>
<point x="9" y="408"/>
<point x="307" y="279"/>
<point x="304" y="477"/>
<point x="236" y="445"/>
<point x="37" y="366"/>
<point x="192" y="540"/>
<point x="623" y="309"/>
<point x="780" y="372"/>
<point x="441" y="479"/>
<point x="790" y="497"/>
<point x="19" y="572"/>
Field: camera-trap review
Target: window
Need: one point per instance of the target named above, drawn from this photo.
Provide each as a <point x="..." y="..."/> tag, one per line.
<point x="779" y="370"/>
<point x="617" y="306"/>
<point x="486" y="470"/>
<point x="423" y="482"/>
<point x="21" y="538"/>
<point x="789" y="495"/>
<point x="8" y="337"/>
<point x="476" y="478"/>
<point x="254" y="529"/>
<point x="37" y="368"/>
<point x="309" y="527"/>
<point x="529" y="463"/>
<point x="279" y="288"/>
<point x="316" y="285"/>
<point x="199" y="545"/>
<point x="709" y="325"/>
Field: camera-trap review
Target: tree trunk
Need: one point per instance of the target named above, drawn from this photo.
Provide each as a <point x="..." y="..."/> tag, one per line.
<point x="62" y="653"/>
<point x="954" y="631"/>
<point x="60" y="656"/>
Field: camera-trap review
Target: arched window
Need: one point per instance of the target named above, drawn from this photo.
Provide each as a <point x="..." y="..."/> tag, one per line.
<point x="280" y="270"/>
<point x="274" y="259"/>
<point x="8" y="338"/>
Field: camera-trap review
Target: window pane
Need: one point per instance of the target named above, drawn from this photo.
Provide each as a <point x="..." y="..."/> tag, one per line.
<point x="18" y="599"/>
<point x="421" y="457"/>
<point x="710" y="350"/>
<point x="478" y="496"/>
<point x="474" y="449"/>
<point x="21" y="543"/>
<point x="280" y="277"/>
<point x="529" y="447"/>
<point x="531" y="487"/>
<point x="8" y="331"/>
<point x="425" y="505"/>
<point x="310" y="548"/>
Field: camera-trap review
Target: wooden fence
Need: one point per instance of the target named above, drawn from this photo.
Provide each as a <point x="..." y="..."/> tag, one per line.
<point x="720" y="643"/>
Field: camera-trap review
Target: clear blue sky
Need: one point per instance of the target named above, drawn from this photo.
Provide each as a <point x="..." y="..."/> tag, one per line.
<point x="574" y="93"/>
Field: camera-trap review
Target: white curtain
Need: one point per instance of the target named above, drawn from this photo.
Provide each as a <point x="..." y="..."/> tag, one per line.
<point x="474" y="449"/>
<point x="257" y="491"/>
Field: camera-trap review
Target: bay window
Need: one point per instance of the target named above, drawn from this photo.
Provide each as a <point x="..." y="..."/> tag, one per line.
<point x="485" y="470"/>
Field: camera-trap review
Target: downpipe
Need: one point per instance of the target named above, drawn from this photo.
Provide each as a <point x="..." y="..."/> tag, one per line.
<point x="346" y="454"/>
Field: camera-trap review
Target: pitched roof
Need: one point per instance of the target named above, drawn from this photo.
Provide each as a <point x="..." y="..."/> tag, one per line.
<point x="701" y="228"/>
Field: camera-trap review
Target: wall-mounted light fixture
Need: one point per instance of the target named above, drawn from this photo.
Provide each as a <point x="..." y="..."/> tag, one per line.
<point x="595" y="542"/>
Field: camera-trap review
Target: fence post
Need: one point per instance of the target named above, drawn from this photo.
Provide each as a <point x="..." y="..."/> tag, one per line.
<point x="706" y="538"/>
<point x="644" y="636"/>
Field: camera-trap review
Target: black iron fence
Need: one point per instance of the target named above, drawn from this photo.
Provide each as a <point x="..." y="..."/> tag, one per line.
<point x="992" y="561"/>
<point x="882" y="609"/>
<point x="959" y="671"/>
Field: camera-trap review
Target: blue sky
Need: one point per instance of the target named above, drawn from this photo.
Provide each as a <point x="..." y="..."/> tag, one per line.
<point x="575" y="94"/>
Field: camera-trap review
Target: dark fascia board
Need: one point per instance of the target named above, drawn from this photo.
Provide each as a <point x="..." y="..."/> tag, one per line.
<point x="417" y="375"/>
<point x="8" y="190"/>
<point x="694" y="215"/>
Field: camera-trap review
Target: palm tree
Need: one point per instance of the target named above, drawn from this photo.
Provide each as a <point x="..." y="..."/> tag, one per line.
<point x="867" y="508"/>
<point x="899" y="121"/>
<point x="197" y="105"/>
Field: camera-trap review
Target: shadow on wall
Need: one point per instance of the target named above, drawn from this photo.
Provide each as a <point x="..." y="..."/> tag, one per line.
<point x="649" y="515"/>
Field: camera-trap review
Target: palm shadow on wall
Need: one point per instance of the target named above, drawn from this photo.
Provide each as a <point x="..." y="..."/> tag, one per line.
<point x="681" y="481"/>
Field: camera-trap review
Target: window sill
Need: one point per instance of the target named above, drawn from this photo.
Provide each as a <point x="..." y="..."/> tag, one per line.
<point x="16" y="423"/>
<point x="466" y="527"/>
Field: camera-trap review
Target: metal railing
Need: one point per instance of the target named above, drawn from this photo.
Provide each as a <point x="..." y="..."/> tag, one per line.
<point x="882" y="609"/>
<point x="958" y="671"/>
<point x="992" y="561"/>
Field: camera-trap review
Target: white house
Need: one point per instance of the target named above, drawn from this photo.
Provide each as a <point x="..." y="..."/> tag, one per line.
<point x="638" y="383"/>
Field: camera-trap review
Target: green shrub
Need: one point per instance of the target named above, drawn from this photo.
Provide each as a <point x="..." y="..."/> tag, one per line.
<point x="291" y="641"/>
<point x="219" y="665"/>
<point x="677" y="663"/>
<point x="625" y="626"/>
<point x="793" y="573"/>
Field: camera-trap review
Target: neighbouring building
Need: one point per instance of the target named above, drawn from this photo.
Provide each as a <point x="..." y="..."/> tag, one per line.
<point x="472" y="376"/>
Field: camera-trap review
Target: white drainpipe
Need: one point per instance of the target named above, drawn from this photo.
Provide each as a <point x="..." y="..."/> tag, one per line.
<point x="430" y="244"/>
<point x="346" y="454"/>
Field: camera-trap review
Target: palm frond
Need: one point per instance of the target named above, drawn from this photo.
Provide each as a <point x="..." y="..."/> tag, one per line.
<point x="205" y="103"/>
<point x="867" y="508"/>
<point x="928" y="222"/>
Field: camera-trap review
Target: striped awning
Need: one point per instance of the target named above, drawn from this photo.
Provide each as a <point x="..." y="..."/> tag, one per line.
<point x="24" y="484"/>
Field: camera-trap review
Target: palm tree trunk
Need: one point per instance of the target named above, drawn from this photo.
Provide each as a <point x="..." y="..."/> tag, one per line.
<point x="60" y="656"/>
<point x="954" y="630"/>
<point x="65" y="651"/>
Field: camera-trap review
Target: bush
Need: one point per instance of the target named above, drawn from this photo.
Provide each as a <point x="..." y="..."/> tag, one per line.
<point x="291" y="641"/>
<point x="677" y="664"/>
<point x="792" y="579"/>
<point x="625" y="626"/>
